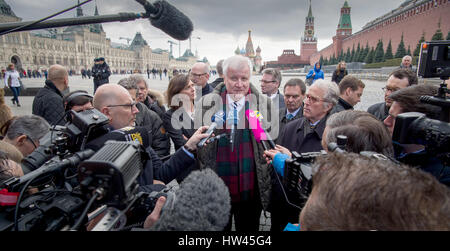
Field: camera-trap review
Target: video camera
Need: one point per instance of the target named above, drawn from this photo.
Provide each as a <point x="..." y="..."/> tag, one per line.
<point x="416" y="128"/>
<point x="71" y="180"/>
<point x="298" y="171"/>
<point x="107" y="181"/>
<point x="61" y="141"/>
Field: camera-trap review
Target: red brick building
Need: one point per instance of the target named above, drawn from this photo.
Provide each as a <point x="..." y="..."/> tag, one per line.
<point x="308" y="47"/>
<point x="412" y="18"/>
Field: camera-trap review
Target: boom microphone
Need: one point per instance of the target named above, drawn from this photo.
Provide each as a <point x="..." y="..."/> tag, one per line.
<point x="169" y="19"/>
<point x="202" y="204"/>
<point x="217" y="119"/>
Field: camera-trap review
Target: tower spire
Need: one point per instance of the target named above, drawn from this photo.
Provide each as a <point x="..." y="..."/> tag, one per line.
<point x="79" y="10"/>
<point x="249" y="51"/>
<point x="310" y="11"/>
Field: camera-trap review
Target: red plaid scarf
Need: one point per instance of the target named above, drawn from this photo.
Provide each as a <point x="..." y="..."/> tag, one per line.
<point x="237" y="168"/>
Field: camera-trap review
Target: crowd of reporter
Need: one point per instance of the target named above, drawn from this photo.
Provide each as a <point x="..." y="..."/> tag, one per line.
<point x="406" y="190"/>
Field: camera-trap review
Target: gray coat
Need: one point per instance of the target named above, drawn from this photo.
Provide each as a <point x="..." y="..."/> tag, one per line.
<point x="207" y="155"/>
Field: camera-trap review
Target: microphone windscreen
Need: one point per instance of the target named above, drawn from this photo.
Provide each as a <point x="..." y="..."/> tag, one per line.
<point x="202" y="204"/>
<point x="172" y="21"/>
<point x="219" y="117"/>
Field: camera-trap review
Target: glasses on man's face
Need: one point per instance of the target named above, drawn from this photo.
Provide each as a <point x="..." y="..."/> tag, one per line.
<point x="31" y="140"/>
<point x="267" y="81"/>
<point x="313" y="99"/>
<point x="390" y="89"/>
<point x="131" y="105"/>
<point x="197" y="75"/>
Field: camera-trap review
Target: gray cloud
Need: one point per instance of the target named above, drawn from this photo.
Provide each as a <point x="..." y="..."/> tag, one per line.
<point x="270" y="21"/>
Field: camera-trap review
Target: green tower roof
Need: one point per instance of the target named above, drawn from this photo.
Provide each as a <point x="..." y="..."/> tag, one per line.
<point x="345" y="21"/>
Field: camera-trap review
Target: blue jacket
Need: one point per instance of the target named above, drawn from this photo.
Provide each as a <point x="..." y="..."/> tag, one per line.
<point x="318" y="71"/>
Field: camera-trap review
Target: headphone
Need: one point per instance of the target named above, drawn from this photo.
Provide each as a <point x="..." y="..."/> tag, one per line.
<point x="69" y="99"/>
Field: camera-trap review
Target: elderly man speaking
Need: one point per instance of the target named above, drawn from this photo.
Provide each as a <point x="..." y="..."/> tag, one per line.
<point x="239" y="161"/>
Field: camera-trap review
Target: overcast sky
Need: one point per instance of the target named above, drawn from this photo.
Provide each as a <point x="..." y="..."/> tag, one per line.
<point x="222" y="25"/>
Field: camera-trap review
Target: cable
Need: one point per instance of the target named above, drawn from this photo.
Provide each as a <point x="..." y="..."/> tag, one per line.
<point x="98" y="192"/>
<point x="284" y="192"/>
<point x="45" y="18"/>
<point x="16" y="210"/>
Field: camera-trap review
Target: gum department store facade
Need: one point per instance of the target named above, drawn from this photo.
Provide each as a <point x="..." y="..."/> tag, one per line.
<point x="76" y="47"/>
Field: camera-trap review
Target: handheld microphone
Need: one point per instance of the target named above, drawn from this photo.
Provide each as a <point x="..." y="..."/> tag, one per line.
<point x="202" y="204"/>
<point x="232" y="119"/>
<point x="217" y="119"/>
<point x="259" y="133"/>
<point x="169" y="19"/>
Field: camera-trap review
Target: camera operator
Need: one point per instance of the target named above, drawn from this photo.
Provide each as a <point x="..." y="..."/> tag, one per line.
<point x="408" y="100"/>
<point x="24" y="133"/>
<point x="303" y="135"/>
<point x="100" y="72"/>
<point x="356" y="193"/>
<point x="116" y="103"/>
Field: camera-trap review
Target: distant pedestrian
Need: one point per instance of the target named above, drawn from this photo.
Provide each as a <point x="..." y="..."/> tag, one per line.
<point x="406" y="63"/>
<point x="12" y="80"/>
<point x="314" y="74"/>
<point x="339" y="73"/>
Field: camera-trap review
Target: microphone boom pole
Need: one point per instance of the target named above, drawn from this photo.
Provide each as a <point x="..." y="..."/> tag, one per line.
<point x="28" y="25"/>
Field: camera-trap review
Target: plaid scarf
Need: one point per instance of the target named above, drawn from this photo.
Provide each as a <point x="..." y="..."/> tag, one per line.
<point x="237" y="168"/>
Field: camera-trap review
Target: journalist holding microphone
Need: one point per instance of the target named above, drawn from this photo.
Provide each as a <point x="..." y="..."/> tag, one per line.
<point x="116" y="103"/>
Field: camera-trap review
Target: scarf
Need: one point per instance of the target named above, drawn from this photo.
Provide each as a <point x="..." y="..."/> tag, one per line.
<point x="237" y="168"/>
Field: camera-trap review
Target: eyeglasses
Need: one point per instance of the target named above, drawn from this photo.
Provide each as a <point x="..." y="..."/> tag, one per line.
<point x="314" y="99"/>
<point x="31" y="140"/>
<point x="389" y="89"/>
<point x="197" y="75"/>
<point x="266" y="82"/>
<point x="133" y="104"/>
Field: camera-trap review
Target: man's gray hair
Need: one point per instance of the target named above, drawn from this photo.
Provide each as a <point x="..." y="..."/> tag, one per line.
<point x="407" y="56"/>
<point x="275" y="73"/>
<point x="128" y="84"/>
<point x="31" y="125"/>
<point x="331" y="91"/>
<point x="136" y="78"/>
<point x="219" y="67"/>
<point x="236" y="62"/>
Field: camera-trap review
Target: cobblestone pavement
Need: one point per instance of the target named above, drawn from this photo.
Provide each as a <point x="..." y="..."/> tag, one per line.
<point x="372" y="94"/>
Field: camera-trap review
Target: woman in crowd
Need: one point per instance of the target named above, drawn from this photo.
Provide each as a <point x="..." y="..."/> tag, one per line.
<point x="178" y="120"/>
<point x="315" y="74"/>
<point x="339" y="73"/>
<point x="12" y="80"/>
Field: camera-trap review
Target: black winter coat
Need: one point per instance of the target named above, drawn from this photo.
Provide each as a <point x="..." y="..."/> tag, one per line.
<point x="158" y="137"/>
<point x="48" y="103"/>
<point x="379" y="110"/>
<point x="101" y="73"/>
<point x="293" y="139"/>
<point x="337" y="78"/>
<point x="177" y="134"/>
